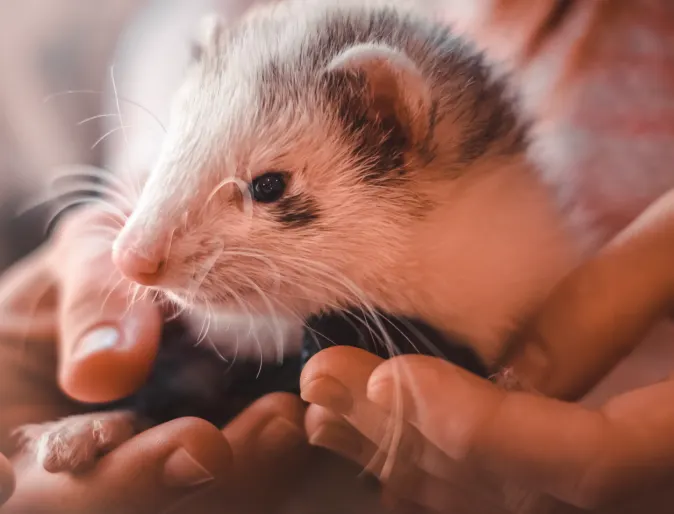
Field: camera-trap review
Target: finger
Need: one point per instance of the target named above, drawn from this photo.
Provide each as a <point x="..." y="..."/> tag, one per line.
<point x="253" y="432"/>
<point x="27" y="292"/>
<point x="579" y="456"/>
<point x="150" y="473"/>
<point x="107" y="346"/>
<point x="269" y="447"/>
<point x="7" y="480"/>
<point x="337" y="379"/>
<point x="603" y="310"/>
<point x="405" y="481"/>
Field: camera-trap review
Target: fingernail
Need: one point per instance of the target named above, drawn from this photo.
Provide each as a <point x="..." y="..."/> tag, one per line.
<point x="380" y="391"/>
<point x="329" y="393"/>
<point x="96" y="341"/>
<point x="338" y="438"/>
<point x="183" y="470"/>
<point x="282" y="431"/>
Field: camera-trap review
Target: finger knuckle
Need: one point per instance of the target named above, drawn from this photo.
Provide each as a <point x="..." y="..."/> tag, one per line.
<point x="282" y="404"/>
<point x="192" y="426"/>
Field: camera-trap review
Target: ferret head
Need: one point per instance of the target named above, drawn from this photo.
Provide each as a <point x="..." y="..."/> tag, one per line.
<point x="289" y="177"/>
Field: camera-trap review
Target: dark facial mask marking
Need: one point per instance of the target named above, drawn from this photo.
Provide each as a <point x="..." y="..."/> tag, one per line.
<point x="296" y="211"/>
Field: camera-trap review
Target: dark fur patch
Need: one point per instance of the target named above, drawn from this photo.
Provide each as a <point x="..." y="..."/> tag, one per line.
<point x="379" y="142"/>
<point x="493" y="126"/>
<point x="382" y="144"/>
<point x="482" y="134"/>
<point x="296" y="211"/>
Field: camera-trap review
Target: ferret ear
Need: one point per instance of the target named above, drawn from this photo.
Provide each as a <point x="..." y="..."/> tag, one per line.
<point x="209" y="35"/>
<point x="395" y="84"/>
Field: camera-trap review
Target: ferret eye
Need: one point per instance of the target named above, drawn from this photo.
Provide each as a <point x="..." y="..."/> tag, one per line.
<point x="269" y="187"/>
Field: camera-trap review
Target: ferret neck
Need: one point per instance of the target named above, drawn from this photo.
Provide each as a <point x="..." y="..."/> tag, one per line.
<point x="486" y="255"/>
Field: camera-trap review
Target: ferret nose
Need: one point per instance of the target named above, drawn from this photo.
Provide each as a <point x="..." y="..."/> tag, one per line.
<point x="146" y="271"/>
<point x="140" y="263"/>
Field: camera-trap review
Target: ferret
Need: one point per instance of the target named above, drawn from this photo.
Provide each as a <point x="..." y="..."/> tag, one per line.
<point x="331" y="151"/>
<point x="335" y="157"/>
<point x="338" y="156"/>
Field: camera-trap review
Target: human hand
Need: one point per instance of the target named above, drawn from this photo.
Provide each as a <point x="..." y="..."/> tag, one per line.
<point x="62" y="291"/>
<point x="458" y="430"/>
<point x="70" y="290"/>
<point x="186" y="465"/>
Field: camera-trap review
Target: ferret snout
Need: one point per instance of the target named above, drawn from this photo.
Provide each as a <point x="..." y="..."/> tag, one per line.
<point x="140" y="258"/>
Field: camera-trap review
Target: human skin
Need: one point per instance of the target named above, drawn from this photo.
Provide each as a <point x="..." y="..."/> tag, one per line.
<point x="572" y="342"/>
<point x="615" y="458"/>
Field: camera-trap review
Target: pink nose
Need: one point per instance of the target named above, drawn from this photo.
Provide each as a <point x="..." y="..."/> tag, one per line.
<point x="144" y="270"/>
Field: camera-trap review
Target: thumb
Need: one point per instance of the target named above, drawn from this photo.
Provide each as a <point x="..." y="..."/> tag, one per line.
<point x="600" y="312"/>
<point x="107" y="344"/>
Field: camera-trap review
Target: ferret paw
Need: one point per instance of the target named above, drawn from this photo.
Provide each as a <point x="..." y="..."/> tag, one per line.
<point x="74" y="444"/>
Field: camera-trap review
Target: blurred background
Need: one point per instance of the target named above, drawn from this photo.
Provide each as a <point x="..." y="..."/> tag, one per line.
<point x="47" y="48"/>
<point x="50" y="48"/>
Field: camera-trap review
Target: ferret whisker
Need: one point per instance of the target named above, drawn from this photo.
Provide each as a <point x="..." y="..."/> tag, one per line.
<point x="219" y="186"/>
<point x="397" y="414"/>
<point x="93" y="173"/>
<point x="253" y="255"/>
<point x="63" y="201"/>
<point x="130" y="297"/>
<point x="58" y="94"/>
<point x="203" y="330"/>
<point x="87" y="185"/>
<point x="435" y="351"/>
<point x="97" y="117"/>
<point x="111" y="291"/>
<point x="351" y="299"/>
<point x="111" y="276"/>
<point x="93" y="190"/>
<point x="180" y="309"/>
<point x="73" y="203"/>
<point x="104" y="233"/>
<point x="276" y="321"/>
<point x="137" y="294"/>
<point x="208" y="266"/>
<point x="108" y="206"/>
<point x="43" y="290"/>
<point x="108" y="134"/>
<point x="244" y="308"/>
<point x="251" y="324"/>
<point x="122" y="127"/>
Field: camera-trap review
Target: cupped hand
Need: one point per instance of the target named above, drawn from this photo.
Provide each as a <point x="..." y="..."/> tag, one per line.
<point x="443" y="438"/>
<point x="186" y="465"/>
